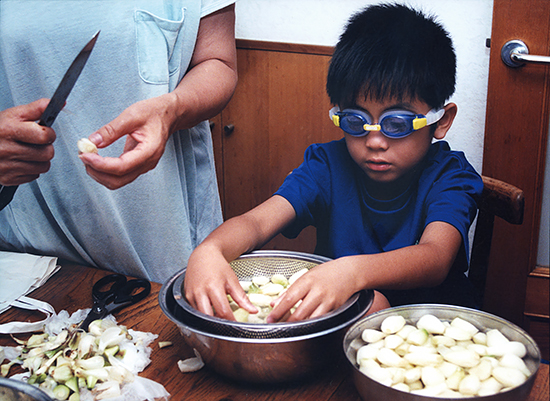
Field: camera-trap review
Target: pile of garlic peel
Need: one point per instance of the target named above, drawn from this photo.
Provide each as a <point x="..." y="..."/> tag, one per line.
<point x="436" y="358"/>
<point x="262" y="291"/>
<point x="73" y="362"/>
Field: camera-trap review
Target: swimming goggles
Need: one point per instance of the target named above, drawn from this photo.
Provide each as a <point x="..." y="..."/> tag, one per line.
<point x="393" y="123"/>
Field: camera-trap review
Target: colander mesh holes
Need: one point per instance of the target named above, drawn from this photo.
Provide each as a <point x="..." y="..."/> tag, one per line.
<point x="246" y="268"/>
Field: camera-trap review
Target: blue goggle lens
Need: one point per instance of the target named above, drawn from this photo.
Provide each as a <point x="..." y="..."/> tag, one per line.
<point x="397" y="126"/>
<point x="353" y="124"/>
<point x="392" y="125"/>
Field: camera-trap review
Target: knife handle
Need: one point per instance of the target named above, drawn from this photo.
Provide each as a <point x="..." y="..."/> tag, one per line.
<point x="6" y="195"/>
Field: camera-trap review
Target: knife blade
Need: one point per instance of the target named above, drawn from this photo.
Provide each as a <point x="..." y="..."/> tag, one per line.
<point x="66" y="85"/>
<point x="57" y="102"/>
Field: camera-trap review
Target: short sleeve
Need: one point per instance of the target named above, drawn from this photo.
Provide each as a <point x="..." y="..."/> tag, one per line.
<point x="210" y="6"/>
<point x="307" y="189"/>
<point x="454" y="194"/>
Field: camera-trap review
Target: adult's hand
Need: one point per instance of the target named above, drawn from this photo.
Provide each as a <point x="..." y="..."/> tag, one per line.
<point x="202" y="93"/>
<point x="146" y="131"/>
<point x="26" y="148"/>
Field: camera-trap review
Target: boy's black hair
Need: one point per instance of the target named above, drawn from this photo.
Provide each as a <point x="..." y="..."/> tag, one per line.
<point x="392" y="51"/>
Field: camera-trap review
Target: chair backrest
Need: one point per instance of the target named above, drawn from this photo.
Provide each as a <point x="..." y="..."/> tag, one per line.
<point x="498" y="199"/>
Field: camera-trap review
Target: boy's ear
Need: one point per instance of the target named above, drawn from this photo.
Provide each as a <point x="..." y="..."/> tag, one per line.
<point x="446" y="121"/>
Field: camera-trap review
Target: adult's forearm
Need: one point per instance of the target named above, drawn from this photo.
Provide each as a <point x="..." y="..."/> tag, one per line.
<point x="211" y="80"/>
<point x="202" y="94"/>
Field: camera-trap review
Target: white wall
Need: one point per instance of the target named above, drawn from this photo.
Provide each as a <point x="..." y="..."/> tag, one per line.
<point x="320" y="22"/>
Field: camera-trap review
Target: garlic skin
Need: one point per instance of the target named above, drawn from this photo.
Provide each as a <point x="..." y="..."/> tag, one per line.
<point x="68" y="361"/>
<point x="191" y="364"/>
<point x="86" y="146"/>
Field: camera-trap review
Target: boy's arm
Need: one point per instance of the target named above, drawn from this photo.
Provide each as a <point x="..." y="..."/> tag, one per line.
<point x="329" y="285"/>
<point x="209" y="277"/>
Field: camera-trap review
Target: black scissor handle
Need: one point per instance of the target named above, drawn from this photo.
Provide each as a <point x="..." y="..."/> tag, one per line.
<point x="112" y="283"/>
<point x="126" y="292"/>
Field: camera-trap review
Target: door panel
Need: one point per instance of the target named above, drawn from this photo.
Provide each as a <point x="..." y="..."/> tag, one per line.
<point x="515" y="151"/>
<point x="280" y="107"/>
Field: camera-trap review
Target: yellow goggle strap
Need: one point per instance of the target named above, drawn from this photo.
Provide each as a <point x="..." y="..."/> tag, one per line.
<point x="419" y="123"/>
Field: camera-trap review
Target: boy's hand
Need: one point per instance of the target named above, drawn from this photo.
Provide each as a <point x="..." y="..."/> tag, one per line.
<point x="208" y="280"/>
<point x="322" y="289"/>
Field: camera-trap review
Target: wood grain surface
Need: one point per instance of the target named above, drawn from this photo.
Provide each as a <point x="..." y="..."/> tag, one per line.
<point x="70" y="290"/>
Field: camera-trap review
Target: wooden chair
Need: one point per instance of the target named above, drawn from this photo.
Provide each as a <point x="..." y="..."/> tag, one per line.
<point x="498" y="199"/>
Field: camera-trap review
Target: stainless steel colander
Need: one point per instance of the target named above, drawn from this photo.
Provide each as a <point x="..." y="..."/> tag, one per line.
<point x="267" y="263"/>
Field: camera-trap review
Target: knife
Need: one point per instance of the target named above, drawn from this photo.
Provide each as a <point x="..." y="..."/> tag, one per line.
<point x="56" y="104"/>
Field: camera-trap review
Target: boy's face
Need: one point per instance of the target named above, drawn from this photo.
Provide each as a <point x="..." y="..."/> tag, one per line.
<point x="386" y="160"/>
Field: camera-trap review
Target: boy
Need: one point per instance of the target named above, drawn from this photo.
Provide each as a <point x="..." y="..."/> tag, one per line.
<point x="391" y="208"/>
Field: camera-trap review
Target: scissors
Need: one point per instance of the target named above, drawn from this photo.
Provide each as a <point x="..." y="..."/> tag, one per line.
<point x="119" y="294"/>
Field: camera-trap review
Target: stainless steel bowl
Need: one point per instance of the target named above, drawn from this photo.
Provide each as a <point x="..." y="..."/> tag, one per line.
<point x="371" y="390"/>
<point x="263" y="360"/>
<point x="263" y="263"/>
<point x="15" y="390"/>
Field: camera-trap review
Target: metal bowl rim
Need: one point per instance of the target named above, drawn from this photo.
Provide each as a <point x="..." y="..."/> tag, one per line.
<point x="481" y="313"/>
<point x="180" y="298"/>
<point x="347" y="340"/>
<point x="24" y="388"/>
<point x="165" y="291"/>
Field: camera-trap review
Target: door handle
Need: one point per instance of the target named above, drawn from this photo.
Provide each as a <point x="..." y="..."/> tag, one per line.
<point x="515" y="53"/>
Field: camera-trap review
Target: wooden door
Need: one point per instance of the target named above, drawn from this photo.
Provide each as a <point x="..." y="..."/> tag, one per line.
<point x="518" y="105"/>
<point x="280" y="107"/>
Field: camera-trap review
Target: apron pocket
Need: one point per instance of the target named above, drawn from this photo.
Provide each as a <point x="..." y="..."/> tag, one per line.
<point x="158" y="51"/>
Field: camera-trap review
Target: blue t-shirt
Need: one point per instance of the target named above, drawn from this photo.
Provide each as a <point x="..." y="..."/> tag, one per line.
<point x="330" y="192"/>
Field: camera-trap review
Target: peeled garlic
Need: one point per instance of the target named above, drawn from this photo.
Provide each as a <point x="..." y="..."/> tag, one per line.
<point x="470" y="385"/>
<point x="480" y="338"/>
<point x="464" y="325"/>
<point x="292" y="279"/>
<point x="514" y="361"/>
<point x="489" y="387"/>
<point x="461" y="362"/>
<point x="372" y="335"/>
<point x="405" y="331"/>
<point x="260" y="280"/>
<point x="457" y="333"/>
<point x="392" y="324"/>
<point x="390" y="358"/>
<point x="393" y="341"/>
<point x="495" y="338"/>
<point x="413" y="375"/>
<point x="464" y="358"/>
<point x="260" y="299"/>
<point x="422" y="359"/>
<point x="271" y="289"/>
<point x="431" y="324"/>
<point x="432" y="376"/>
<point x="483" y="370"/>
<point x="279" y="279"/>
<point x="86" y="146"/>
<point x="509" y="377"/>
<point x="418" y="337"/>
<point x="366" y="352"/>
<point x="402" y="387"/>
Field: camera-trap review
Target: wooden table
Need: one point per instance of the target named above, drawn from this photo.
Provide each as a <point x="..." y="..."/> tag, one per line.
<point x="70" y="290"/>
